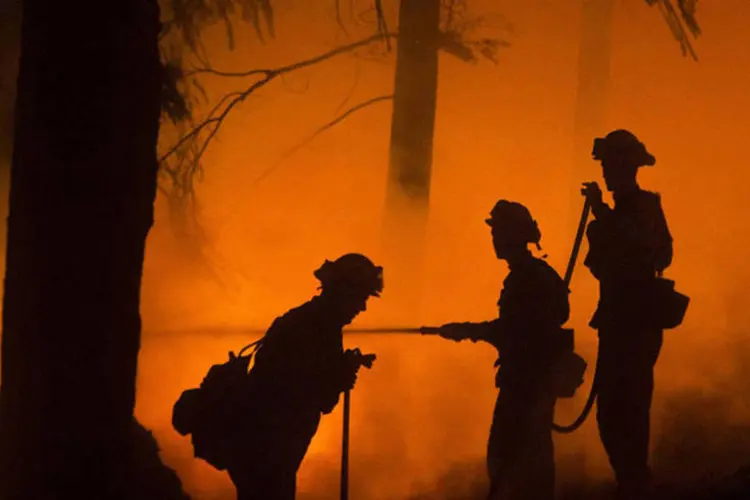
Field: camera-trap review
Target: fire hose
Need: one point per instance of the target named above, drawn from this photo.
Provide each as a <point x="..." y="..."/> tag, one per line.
<point x="563" y="429"/>
<point x="430" y="330"/>
<point x="567" y="429"/>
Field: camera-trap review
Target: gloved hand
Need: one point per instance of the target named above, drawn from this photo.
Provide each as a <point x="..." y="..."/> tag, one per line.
<point x="592" y="193"/>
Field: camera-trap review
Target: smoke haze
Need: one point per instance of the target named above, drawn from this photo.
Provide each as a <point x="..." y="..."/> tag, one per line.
<point x="421" y="416"/>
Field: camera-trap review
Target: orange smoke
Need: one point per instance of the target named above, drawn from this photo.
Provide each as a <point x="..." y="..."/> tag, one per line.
<point x="502" y="131"/>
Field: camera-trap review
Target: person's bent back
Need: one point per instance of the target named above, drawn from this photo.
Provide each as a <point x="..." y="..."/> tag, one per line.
<point x="300" y="371"/>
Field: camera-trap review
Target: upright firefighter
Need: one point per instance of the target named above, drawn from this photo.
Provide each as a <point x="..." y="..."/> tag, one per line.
<point x="629" y="247"/>
<point x="529" y="338"/>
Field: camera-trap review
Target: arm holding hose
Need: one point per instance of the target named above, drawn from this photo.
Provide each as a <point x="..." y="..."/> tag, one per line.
<point x="351" y="362"/>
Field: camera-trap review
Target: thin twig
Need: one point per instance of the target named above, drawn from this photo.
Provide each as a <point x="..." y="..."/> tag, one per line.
<point x="224" y="99"/>
<point x="382" y="26"/>
<point x="218" y="120"/>
<point x="338" y="17"/>
<point x="322" y="129"/>
<point x="351" y="90"/>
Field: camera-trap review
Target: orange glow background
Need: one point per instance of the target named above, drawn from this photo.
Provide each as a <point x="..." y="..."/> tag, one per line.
<point x="502" y="131"/>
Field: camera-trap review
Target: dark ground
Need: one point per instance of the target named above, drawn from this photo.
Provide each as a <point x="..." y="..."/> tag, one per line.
<point x="468" y="483"/>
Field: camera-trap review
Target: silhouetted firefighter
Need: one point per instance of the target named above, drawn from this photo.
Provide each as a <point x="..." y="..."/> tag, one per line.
<point x="531" y="342"/>
<point x="258" y="425"/>
<point x="629" y="247"/>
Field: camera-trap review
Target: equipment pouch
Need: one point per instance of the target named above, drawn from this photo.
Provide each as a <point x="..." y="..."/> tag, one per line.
<point x="567" y="373"/>
<point x="668" y="305"/>
<point x="569" y="368"/>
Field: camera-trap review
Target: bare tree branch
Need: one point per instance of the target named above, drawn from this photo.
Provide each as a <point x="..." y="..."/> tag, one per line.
<point x="382" y="26"/>
<point x="298" y="65"/>
<point x="182" y="166"/>
<point x="349" y="94"/>
<point x="217" y="120"/>
<point x="214" y="121"/>
<point x="343" y="116"/>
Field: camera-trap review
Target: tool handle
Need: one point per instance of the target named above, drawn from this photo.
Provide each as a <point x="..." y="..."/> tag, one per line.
<point x="345" y="449"/>
<point x="577" y="243"/>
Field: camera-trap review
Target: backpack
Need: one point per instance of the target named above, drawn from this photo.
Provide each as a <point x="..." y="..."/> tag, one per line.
<point x="210" y="413"/>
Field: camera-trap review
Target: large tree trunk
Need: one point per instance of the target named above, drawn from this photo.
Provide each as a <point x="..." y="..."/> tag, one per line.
<point x="10" y="34"/>
<point x="412" y="130"/>
<point x="83" y="183"/>
<point x="10" y="22"/>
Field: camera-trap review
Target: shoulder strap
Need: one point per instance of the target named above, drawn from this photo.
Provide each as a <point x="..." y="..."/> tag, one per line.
<point x="255" y="346"/>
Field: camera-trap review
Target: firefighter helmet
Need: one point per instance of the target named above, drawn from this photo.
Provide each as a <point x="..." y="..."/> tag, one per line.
<point x="625" y="144"/>
<point x="516" y="219"/>
<point x="352" y="272"/>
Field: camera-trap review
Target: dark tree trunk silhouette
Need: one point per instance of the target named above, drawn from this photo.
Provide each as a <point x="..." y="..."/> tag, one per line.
<point x="414" y="101"/>
<point x="10" y="17"/>
<point x="412" y="130"/>
<point x="83" y="183"/>
<point x="10" y="22"/>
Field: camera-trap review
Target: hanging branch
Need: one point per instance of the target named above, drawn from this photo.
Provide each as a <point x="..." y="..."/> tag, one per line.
<point x="677" y="21"/>
<point x="340" y="118"/>
<point x="215" y="119"/>
<point x="450" y="42"/>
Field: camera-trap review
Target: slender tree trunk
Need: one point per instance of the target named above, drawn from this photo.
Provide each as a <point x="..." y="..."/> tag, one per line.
<point x="412" y="130"/>
<point x="594" y="54"/>
<point x="592" y="94"/>
<point x="83" y="183"/>
<point x="414" y="101"/>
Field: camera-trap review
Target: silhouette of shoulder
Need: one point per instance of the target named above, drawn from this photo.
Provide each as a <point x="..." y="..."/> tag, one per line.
<point x="540" y="289"/>
<point x="647" y="202"/>
<point x="535" y="275"/>
<point x="649" y="207"/>
<point x="650" y="197"/>
<point x="297" y="316"/>
<point x="295" y="334"/>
